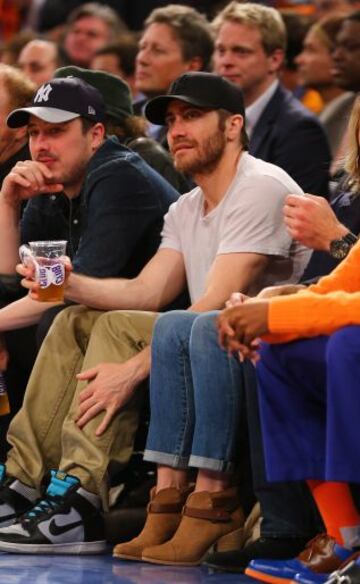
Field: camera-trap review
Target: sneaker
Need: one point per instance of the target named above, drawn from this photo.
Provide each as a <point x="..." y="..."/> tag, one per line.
<point x="15" y="498"/>
<point x="322" y="555"/>
<point x="347" y="570"/>
<point x="350" y="574"/>
<point x="67" y="521"/>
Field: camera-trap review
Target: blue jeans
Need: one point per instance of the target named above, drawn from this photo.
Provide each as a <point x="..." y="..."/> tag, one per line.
<point x="196" y="395"/>
<point x="310" y="407"/>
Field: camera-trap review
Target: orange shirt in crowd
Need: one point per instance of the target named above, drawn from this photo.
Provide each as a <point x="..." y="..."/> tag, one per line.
<point x="322" y="308"/>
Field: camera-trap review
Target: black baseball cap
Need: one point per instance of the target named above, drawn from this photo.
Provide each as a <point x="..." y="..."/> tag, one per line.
<point x="201" y="89"/>
<point x="61" y="100"/>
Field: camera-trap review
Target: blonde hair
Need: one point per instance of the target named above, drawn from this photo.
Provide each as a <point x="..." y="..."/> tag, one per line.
<point x="267" y="20"/>
<point x="20" y="89"/>
<point x="352" y="159"/>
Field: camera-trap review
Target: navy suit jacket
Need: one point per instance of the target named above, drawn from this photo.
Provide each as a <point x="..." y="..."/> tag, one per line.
<point x="288" y="135"/>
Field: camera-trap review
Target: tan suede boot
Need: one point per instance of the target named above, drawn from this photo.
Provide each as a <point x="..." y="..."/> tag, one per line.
<point x="163" y="518"/>
<point x="209" y="521"/>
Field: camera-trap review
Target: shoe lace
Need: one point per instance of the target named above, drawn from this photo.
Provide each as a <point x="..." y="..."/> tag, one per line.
<point x="43" y="508"/>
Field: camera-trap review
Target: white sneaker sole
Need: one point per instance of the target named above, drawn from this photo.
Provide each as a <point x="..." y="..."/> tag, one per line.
<point x="75" y="548"/>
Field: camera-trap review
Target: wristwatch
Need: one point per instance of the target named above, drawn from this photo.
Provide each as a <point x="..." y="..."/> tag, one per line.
<point x="339" y="248"/>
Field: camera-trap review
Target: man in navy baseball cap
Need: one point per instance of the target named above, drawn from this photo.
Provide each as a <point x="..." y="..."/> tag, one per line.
<point x="61" y="100"/>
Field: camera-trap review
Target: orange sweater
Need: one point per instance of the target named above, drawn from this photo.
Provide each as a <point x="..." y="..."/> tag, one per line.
<point x="322" y="308"/>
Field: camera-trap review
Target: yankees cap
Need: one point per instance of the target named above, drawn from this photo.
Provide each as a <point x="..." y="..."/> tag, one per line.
<point x="61" y="100"/>
<point x="200" y="89"/>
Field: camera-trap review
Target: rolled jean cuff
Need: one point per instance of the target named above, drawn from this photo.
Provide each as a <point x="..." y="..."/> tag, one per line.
<point x="211" y="464"/>
<point x="172" y="460"/>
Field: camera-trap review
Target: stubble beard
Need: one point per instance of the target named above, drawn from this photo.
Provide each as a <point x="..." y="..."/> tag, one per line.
<point x="208" y="158"/>
<point x="75" y="175"/>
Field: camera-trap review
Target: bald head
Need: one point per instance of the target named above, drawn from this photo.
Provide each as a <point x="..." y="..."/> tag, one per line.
<point x="38" y="60"/>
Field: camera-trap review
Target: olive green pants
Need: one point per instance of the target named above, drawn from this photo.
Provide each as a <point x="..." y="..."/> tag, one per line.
<point x="44" y="435"/>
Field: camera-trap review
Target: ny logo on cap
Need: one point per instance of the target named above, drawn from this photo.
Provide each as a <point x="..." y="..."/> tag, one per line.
<point x="43" y="93"/>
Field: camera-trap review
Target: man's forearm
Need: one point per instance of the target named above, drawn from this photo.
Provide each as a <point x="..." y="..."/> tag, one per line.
<point x="9" y="236"/>
<point x="110" y="293"/>
<point x="22" y="313"/>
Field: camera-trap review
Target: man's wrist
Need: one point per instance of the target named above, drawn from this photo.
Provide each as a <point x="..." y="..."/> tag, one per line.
<point x="337" y="233"/>
<point x="142" y="363"/>
<point x="340" y="247"/>
<point x="12" y="203"/>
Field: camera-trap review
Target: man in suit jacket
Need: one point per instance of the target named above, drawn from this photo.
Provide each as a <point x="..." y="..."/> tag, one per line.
<point x="249" y="51"/>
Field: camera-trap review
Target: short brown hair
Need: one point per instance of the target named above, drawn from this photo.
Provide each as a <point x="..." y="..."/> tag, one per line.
<point x="191" y="29"/>
<point x="267" y="20"/>
<point x="19" y="88"/>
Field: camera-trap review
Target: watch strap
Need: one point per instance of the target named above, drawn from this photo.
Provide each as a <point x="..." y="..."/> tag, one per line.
<point x="350" y="238"/>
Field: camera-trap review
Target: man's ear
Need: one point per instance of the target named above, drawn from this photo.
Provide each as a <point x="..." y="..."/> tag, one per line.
<point x="234" y="125"/>
<point x="20" y="134"/>
<point x="276" y="60"/>
<point x="97" y="135"/>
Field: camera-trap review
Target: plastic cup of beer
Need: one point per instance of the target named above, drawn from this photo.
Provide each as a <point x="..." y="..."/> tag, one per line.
<point x="48" y="258"/>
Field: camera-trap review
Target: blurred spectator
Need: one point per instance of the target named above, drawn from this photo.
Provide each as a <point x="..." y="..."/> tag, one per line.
<point x="38" y="60"/>
<point x="250" y="47"/>
<point x="346" y="67"/>
<point x="11" y="50"/>
<point x="91" y="26"/>
<point x="119" y="59"/>
<point x="15" y="91"/>
<point x="297" y="26"/>
<point x="176" y="39"/>
<point x="346" y="55"/>
<point x="315" y="71"/>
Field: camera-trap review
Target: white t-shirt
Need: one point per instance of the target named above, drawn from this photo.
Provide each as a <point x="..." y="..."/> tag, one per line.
<point x="248" y="219"/>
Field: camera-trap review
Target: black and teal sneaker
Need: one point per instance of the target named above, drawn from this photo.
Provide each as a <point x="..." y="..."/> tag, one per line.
<point x="67" y="521"/>
<point x="15" y="498"/>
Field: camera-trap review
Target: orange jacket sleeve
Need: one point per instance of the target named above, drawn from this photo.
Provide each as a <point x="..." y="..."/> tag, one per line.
<point x="324" y="307"/>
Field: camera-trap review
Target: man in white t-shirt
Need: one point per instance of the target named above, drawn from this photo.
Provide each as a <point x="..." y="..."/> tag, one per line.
<point x="230" y="236"/>
<point x="226" y="235"/>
